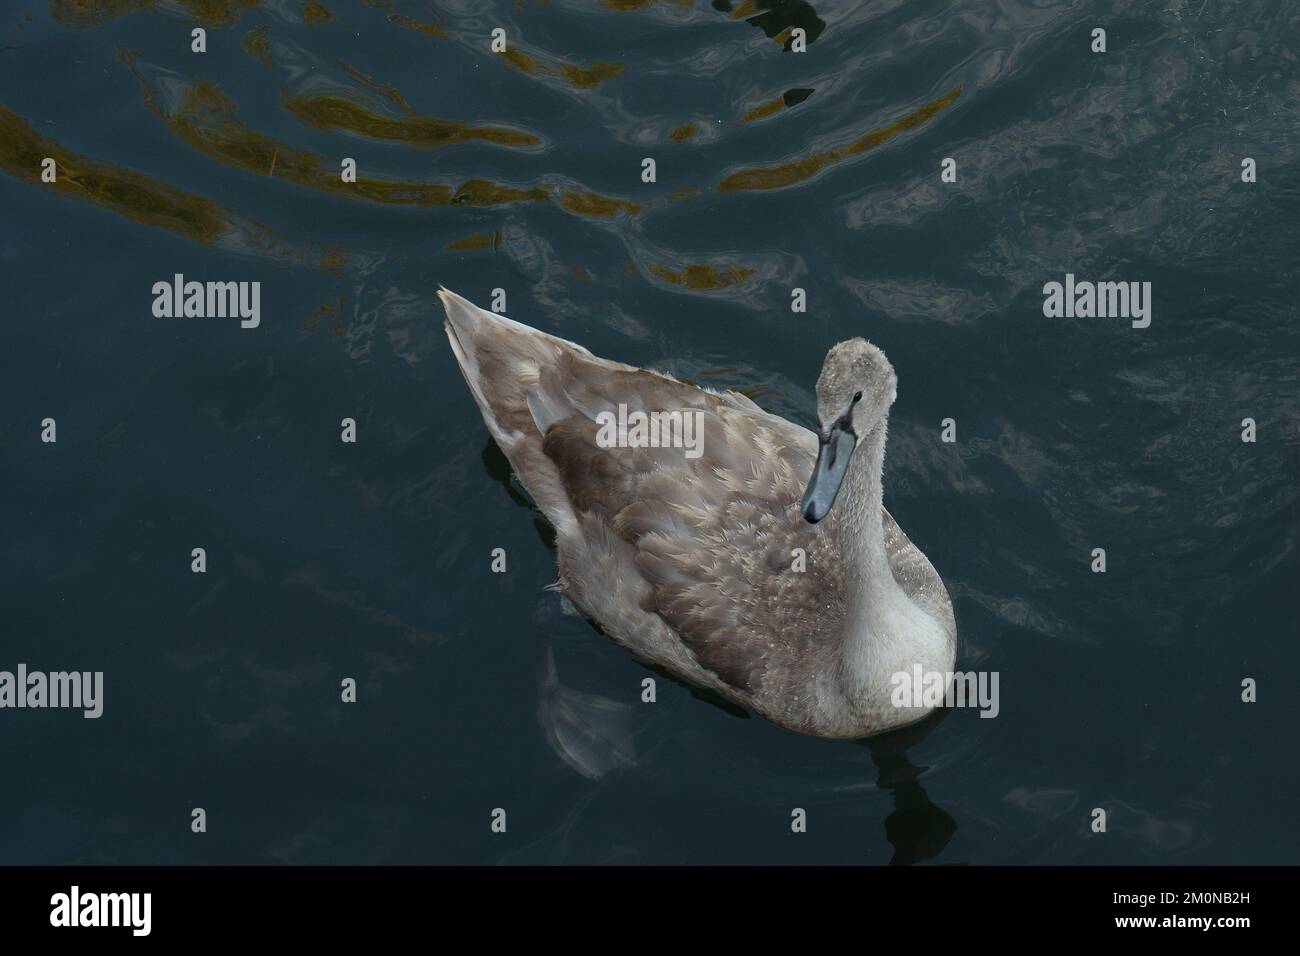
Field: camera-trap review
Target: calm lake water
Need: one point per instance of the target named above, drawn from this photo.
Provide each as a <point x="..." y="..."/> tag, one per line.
<point x="522" y="171"/>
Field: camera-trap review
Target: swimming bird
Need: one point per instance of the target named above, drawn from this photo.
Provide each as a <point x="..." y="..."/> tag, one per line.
<point x="766" y="567"/>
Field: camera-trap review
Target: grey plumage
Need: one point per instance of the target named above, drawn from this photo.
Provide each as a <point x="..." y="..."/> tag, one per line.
<point x="690" y="562"/>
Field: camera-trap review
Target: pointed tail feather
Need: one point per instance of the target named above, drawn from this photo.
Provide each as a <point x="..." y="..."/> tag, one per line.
<point x="503" y="363"/>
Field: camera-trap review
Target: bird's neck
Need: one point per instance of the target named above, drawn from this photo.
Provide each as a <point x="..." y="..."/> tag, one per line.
<point x="860" y="533"/>
<point x="884" y="631"/>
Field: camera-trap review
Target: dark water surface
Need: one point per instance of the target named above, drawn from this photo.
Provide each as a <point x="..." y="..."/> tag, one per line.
<point x="522" y="171"/>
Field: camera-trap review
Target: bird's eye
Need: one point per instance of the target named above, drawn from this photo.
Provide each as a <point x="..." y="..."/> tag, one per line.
<point x="857" y="398"/>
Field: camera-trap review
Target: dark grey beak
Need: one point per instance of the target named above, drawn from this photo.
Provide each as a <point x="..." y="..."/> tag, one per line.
<point x="828" y="474"/>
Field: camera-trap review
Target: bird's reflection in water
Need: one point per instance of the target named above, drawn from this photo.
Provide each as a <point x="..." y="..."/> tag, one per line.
<point x="592" y="733"/>
<point x="918" y="829"/>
